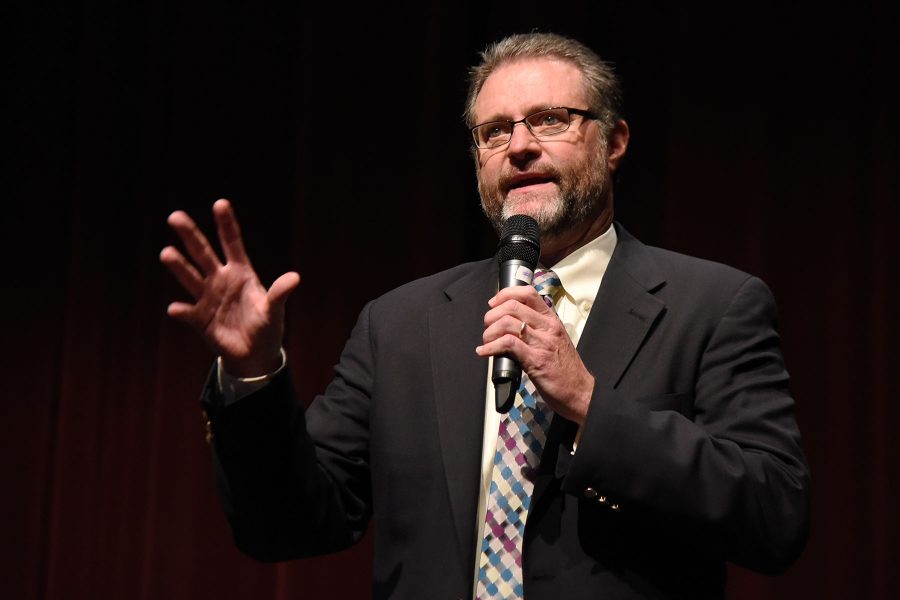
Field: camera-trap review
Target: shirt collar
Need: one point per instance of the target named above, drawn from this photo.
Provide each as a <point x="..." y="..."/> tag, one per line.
<point x="582" y="271"/>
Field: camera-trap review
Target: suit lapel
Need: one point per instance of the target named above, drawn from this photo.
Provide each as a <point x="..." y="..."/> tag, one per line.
<point x="460" y="376"/>
<point x="624" y="311"/>
<point x="622" y="316"/>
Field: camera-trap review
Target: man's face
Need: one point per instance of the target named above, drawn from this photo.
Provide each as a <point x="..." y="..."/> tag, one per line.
<point x="560" y="181"/>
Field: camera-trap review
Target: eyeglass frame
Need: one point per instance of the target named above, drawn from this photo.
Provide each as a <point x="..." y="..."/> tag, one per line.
<point x="524" y="120"/>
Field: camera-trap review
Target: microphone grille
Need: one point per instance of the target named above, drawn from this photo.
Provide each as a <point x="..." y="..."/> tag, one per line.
<point x="520" y="240"/>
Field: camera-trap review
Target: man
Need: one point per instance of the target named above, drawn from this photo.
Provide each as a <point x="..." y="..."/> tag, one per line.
<point x="669" y="444"/>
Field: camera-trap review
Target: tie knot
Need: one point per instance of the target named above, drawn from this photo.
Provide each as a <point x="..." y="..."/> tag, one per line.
<point x="547" y="285"/>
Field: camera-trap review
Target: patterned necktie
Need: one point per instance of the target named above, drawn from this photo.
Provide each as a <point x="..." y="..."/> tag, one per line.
<point x="521" y="439"/>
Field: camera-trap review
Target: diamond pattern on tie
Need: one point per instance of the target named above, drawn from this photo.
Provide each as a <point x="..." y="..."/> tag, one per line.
<point x="547" y="284"/>
<point x="521" y="439"/>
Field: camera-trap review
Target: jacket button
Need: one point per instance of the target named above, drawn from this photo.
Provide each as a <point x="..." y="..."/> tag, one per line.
<point x="615" y="507"/>
<point x="590" y="493"/>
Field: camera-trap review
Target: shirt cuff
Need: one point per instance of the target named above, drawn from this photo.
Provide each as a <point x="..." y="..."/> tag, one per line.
<point x="234" y="388"/>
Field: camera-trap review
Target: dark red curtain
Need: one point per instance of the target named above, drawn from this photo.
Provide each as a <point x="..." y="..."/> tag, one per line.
<point x="765" y="135"/>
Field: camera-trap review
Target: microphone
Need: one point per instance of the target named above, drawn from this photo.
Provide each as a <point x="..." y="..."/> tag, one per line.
<point x="517" y="252"/>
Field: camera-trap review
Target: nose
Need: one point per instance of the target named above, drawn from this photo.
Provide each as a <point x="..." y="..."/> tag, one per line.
<point x="523" y="143"/>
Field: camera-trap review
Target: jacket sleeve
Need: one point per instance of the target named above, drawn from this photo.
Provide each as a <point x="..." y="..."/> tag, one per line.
<point x="732" y="473"/>
<point x="296" y="483"/>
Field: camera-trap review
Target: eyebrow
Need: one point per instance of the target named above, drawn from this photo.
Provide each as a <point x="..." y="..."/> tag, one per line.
<point x="529" y="111"/>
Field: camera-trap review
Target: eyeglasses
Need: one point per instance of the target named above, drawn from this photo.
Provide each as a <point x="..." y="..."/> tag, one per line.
<point x="544" y="123"/>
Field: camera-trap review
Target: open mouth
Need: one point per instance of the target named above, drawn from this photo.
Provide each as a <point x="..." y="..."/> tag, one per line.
<point x="527" y="182"/>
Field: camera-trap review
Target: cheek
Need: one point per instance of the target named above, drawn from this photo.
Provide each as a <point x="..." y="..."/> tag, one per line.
<point x="487" y="176"/>
<point x="490" y="160"/>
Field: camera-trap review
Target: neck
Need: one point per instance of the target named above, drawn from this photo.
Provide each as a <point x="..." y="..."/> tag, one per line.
<point x="556" y="248"/>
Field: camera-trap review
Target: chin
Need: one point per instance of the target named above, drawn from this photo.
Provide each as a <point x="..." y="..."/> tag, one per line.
<point x="546" y="209"/>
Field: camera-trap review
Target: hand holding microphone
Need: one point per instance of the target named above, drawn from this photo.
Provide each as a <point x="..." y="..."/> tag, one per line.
<point x="522" y="332"/>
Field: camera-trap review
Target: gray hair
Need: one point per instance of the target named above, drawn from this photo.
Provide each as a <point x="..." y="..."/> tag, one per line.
<point x="601" y="87"/>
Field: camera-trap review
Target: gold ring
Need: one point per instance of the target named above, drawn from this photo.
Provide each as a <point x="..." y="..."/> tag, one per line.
<point x="522" y="329"/>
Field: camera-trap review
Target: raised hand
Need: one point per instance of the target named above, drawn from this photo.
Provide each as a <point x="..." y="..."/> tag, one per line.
<point x="234" y="313"/>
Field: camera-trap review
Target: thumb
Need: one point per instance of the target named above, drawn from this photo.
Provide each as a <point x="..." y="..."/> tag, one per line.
<point x="282" y="287"/>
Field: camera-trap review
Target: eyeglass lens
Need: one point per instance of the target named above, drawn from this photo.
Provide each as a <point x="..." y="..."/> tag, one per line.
<point x="545" y="122"/>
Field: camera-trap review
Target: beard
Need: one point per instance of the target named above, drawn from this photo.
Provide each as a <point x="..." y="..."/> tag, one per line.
<point x="573" y="199"/>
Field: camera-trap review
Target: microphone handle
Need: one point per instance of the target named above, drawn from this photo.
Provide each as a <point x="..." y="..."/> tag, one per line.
<point x="507" y="373"/>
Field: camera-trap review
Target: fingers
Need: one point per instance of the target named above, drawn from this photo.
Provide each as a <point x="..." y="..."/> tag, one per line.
<point x="183" y="271"/>
<point x="194" y="241"/>
<point x="229" y="232"/>
<point x="505" y="325"/>
<point x="182" y="311"/>
<point x="519" y="321"/>
<point x="507" y="344"/>
<point x="524" y="294"/>
<point x="536" y="319"/>
<point x="282" y="287"/>
<point x="521" y="326"/>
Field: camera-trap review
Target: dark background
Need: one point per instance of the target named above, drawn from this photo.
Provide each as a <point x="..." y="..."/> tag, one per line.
<point x="765" y="135"/>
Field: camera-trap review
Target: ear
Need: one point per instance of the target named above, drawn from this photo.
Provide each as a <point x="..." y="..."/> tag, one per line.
<point x="617" y="144"/>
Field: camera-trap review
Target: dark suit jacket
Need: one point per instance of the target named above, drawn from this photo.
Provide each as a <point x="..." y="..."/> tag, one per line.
<point x="691" y="433"/>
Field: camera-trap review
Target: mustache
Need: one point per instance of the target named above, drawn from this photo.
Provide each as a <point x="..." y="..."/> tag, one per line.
<point x="510" y="177"/>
